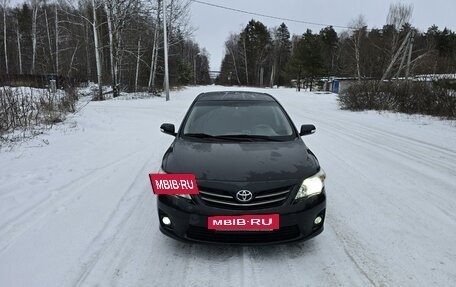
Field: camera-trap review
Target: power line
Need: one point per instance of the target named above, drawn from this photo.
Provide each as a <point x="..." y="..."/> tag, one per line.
<point x="268" y="16"/>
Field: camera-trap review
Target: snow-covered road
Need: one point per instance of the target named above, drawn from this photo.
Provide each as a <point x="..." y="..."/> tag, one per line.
<point x="76" y="206"/>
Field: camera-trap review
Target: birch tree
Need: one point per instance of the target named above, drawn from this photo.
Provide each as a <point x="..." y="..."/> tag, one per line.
<point x="97" y="51"/>
<point x="74" y="39"/>
<point x="137" y="64"/>
<point x="19" y="50"/>
<point x="358" y="27"/>
<point x="232" y="49"/>
<point x="5" y="4"/>
<point x="56" y="22"/>
<point x="35" y="5"/>
<point x="118" y="13"/>
<point x="398" y="15"/>
<point x="178" y="16"/>
<point x="155" y="45"/>
<point x="48" y="33"/>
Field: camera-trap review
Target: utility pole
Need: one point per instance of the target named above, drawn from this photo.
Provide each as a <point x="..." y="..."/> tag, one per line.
<point x="271" y="81"/>
<point x="165" y="44"/>
<point x="194" y="70"/>
<point x="298" y="87"/>
<point x="194" y="67"/>
<point x="261" y="76"/>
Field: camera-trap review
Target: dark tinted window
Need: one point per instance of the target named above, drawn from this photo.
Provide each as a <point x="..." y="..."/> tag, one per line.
<point x="257" y="118"/>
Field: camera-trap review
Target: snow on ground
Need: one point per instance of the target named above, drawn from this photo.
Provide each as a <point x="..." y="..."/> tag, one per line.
<point x="34" y="93"/>
<point x="76" y="206"/>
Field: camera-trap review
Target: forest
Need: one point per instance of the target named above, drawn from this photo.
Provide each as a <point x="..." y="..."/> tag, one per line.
<point x="116" y="43"/>
<point x="119" y="45"/>
<point x="262" y="56"/>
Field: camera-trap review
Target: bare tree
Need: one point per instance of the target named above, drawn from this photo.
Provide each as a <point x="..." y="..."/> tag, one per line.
<point x="79" y="16"/>
<point x="137" y="64"/>
<point x="97" y="51"/>
<point x="98" y="40"/>
<point x="118" y="14"/>
<point x="153" y="61"/>
<point x="178" y="27"/>
<point x="231" y="46"/>
<point x="35" y="5"/>
<point x="245" y="61"/>
<point x="87" y="48"/>
<point x="398" y="16"/>
<point x="109" y="10"/>
<point x="178" y="20"/>
<point x="5" y="4"/>
<point x="358" y="27"/>
<point x="154" y="57"/>
<point x="48" y="33"/>
<point x="19" y="50"/>
<point x="402" y="49"/>
<point x="56" y="22"/>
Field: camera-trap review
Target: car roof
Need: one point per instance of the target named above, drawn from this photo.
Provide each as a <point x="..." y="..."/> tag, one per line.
<point x="234" y="96"/>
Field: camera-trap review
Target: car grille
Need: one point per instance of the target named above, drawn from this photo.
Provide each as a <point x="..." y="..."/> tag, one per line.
<point x="262" y="199"/>
<point x="243" y="237"/>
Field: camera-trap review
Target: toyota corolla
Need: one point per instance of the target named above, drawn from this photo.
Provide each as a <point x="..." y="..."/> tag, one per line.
<point x="258" y="183"/>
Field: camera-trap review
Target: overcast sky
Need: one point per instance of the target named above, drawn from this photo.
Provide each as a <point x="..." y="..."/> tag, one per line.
<point x="213" y="25"/>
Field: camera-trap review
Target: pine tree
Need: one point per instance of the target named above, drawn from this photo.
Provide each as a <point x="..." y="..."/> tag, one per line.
<point x="307" y="59"/>
<point x="282" y="54"/>
<point x="329" y="41"/>
<point x="257" y="42"/>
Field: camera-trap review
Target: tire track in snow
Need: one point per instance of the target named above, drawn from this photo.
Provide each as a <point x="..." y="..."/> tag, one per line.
<point x="367" y="260"/>
<point x="403" y="146"/>
<point x="59" y="198"/>
<point x="104" y="240"/>
<point x="361" y="257"/>
<point x="416" y="157"/>
<point x="359" y="260"/>
<point x="412" y="148"/>
<point x="424" y="170"/>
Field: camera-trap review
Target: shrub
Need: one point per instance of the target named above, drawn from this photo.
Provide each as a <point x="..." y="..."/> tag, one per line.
<point x="25" y="108"/>
<point x="411" y="98"/>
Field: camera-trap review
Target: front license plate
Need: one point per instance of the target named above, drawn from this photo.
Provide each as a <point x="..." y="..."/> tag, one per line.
<point x="263" y="222"/>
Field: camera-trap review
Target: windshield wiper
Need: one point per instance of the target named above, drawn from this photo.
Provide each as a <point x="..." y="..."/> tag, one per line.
<point x="252" y="137"/>
<point x="236" y="137"/>
<point x="206" y="136"/>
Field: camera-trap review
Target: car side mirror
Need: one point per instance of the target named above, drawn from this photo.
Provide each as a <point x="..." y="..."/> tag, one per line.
<point x="168" y="129"/>
<point x="307" y="130"/>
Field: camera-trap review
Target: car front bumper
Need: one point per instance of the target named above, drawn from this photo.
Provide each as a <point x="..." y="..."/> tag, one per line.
<point x="189" y="222"/>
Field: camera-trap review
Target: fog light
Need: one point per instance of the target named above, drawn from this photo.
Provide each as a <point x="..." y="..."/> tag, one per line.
<point x="166" y="220"/>
<point x="318" y="220"/>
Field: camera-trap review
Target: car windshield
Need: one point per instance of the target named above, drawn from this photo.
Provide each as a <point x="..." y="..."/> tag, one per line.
<point x="261" y="120"/>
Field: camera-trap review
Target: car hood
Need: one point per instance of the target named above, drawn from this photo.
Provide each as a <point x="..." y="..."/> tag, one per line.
<point x="241" y="161"/>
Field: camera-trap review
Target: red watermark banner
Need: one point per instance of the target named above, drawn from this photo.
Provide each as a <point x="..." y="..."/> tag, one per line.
<point x="177" y="183"/>
<point x="263" y="222"/>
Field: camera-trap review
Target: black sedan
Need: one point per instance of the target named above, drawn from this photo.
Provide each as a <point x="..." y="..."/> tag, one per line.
<point x="258" y="182"/>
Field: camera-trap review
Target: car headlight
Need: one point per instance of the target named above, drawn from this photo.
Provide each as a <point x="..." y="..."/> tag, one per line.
<point x="312" y="185"/>
<point x="186" y="196"/>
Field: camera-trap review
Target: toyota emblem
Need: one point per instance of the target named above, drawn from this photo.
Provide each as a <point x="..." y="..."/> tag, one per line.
<point x="244" y="196"/>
